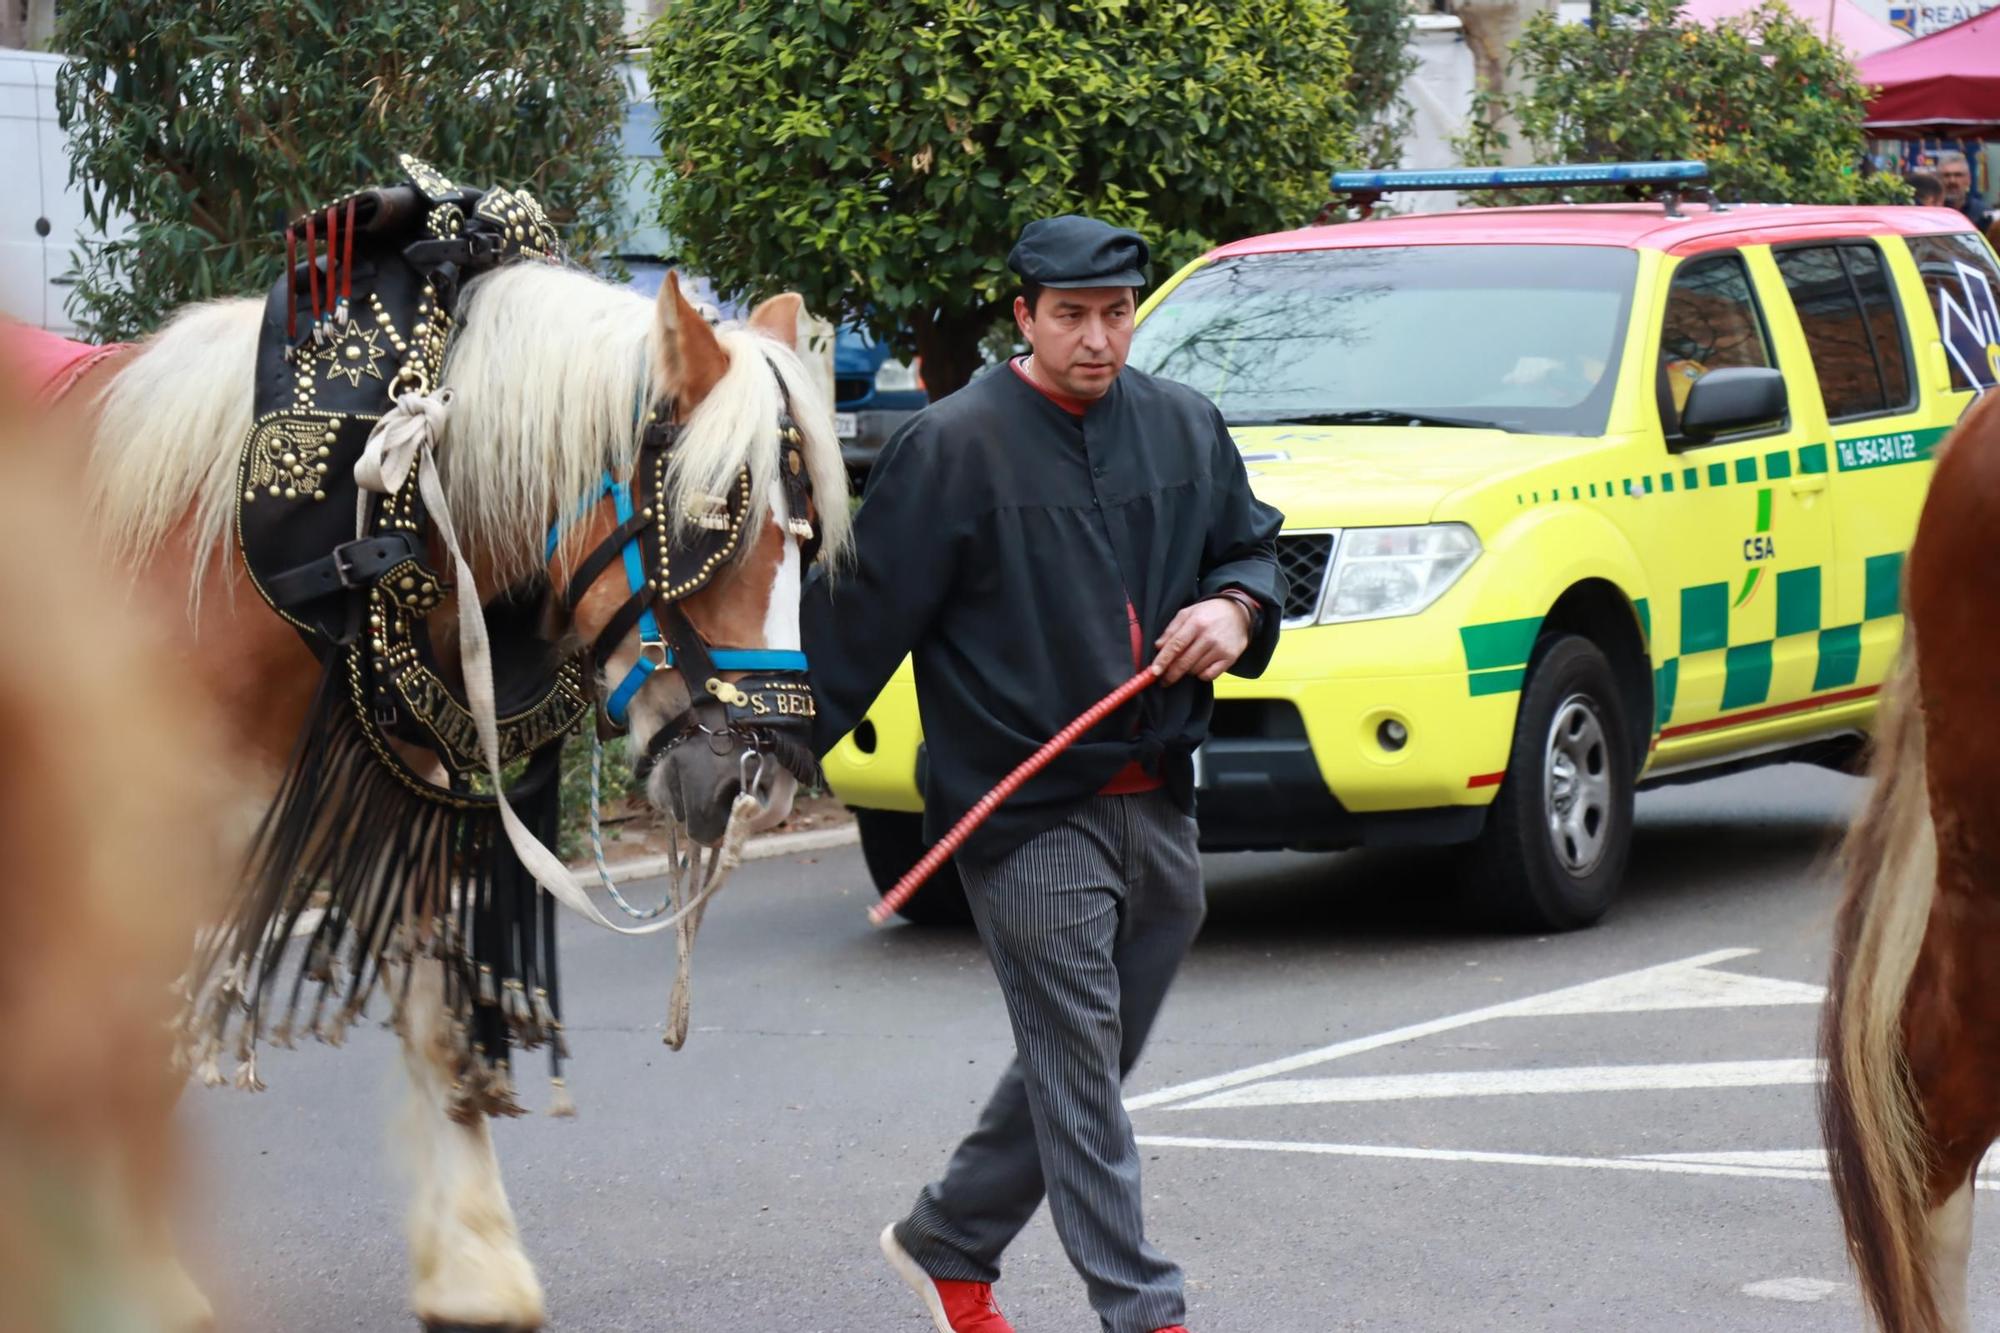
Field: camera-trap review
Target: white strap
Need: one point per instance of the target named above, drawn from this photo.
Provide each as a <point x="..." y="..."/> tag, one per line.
<point x="407" y="434"/>
<point x="414" y="422"/>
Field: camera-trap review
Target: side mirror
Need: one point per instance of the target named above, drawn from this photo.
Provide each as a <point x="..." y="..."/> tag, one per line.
<point x="1734" y="398"/>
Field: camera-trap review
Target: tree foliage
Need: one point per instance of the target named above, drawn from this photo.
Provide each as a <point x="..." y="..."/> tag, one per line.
<point x="1378" y="36"/>
<point x="1772" y="108"/>
<point x="881" y="156"/>
<point x="210" y="123"/>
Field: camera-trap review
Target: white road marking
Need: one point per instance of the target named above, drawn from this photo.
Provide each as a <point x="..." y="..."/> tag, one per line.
<point x="1808" y="1159"/>
<point x="1393" y="1152"/>
<point x="1680" y="987"/>
<point x="1665" y="986"/>
<point x="1803" y="1289"/>
<point x="1796" y="1159"/>
<point x="1513" y="1083"/>
<point x="1495" y="1158"/>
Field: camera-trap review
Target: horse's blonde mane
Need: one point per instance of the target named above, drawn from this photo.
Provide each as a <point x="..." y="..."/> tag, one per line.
<point x="549" y="372"/>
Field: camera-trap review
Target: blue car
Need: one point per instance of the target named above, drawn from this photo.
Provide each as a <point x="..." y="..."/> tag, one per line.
<point x="874" y="394"/>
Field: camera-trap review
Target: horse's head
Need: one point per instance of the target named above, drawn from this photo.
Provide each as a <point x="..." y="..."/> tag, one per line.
<point x="684" y="576"/>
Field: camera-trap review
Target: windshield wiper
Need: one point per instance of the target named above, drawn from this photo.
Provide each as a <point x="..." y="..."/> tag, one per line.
<point x="1371" y="416"/>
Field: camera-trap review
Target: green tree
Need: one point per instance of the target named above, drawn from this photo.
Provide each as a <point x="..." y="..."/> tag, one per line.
<point x="1378" y="35"/>
<point x="210" y="123"/>
<point x="1772" y="108"/>
<point x="881" y="156"/>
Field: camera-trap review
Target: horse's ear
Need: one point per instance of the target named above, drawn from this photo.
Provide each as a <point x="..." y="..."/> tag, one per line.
<point x="779" y="318"/>
<point x="691" y="357"/>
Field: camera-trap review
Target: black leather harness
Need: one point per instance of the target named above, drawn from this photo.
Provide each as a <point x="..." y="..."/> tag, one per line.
<point x="322" y="382"/>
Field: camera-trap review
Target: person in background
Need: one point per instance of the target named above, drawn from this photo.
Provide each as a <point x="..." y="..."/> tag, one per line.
<point x="1955" y="175"/>
<point x="1929" y="190"/>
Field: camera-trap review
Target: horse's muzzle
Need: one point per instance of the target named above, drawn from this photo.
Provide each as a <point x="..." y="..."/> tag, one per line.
<point x="696" y="766"/>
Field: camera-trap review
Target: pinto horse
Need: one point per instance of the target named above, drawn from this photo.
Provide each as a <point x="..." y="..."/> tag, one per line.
<point x="1911" y="1030"/>
<point x="552" y="376"/>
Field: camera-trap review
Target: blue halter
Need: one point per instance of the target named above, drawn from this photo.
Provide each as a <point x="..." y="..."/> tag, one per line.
<point x="654" y="651"/>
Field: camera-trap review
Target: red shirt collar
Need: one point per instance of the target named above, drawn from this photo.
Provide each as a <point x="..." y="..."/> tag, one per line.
<point x="1076" y="407"/>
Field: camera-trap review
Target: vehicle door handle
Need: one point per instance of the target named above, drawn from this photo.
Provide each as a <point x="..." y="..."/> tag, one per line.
<point x="1812" y="483"/>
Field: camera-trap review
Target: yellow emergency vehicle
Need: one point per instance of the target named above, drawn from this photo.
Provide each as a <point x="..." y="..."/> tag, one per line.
<point x="1577" y="499"/>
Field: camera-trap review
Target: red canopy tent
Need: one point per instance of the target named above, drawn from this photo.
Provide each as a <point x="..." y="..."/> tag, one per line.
<point x="1946" y="85"/>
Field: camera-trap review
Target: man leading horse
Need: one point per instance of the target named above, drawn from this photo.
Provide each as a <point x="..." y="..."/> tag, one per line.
<point x="1027" y="539"/>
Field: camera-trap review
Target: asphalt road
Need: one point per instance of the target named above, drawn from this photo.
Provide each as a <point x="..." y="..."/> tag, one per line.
<point x="1357" y="1115"/>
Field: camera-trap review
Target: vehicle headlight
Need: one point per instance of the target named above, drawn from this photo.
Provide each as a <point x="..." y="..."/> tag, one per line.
<point x="896" y="377"/>
<point x="1383" y="572"/>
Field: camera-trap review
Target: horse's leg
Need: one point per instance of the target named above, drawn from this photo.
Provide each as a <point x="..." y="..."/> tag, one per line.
<point x="143" y="1179"/>
<point x="468" y="1269"/>
<point x="146" y="1163"/>
<point x="170" y="1292"/>
<point x="1949" y="1233"/>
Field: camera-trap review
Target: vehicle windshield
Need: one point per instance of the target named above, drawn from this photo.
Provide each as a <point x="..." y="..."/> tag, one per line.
<point x="1516" y="337"/>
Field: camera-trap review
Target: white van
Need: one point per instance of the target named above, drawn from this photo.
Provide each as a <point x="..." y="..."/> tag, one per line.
<point x="40" y="211"/>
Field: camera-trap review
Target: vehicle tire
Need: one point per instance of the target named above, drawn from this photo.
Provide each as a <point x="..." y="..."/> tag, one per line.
<point x="1557" y="838"/>
<point x="891" y="842"/>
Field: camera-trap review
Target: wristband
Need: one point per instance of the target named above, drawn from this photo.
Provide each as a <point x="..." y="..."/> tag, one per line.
<point x="1251" y="606"/>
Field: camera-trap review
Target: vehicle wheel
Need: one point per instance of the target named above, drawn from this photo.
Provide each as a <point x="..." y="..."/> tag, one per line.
<point x="891" y="842"/>
<point x="1557" y="838"/>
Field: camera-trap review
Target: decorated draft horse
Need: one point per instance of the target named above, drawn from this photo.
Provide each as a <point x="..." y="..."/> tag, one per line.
<point x="433" y="505"/>
<point x="1911" y="1032"/>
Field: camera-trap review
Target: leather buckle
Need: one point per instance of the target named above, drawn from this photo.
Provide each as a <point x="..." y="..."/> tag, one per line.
<point x="343" y="565"/>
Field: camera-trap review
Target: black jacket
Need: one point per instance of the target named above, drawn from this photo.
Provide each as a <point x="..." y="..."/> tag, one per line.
<point x="1000" y="539"/>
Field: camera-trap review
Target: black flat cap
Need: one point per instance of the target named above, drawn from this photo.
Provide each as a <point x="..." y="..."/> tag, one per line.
<point x="1073" y="251"/>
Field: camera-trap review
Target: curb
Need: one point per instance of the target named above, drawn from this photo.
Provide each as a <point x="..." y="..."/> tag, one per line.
<point x="760" y="848"/>
<point x="763" y="847"/>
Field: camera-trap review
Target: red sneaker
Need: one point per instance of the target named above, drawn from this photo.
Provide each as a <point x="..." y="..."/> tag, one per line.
<point x="954" y="1307"/>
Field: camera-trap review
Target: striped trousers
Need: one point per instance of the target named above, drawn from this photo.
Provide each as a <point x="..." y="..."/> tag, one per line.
<point x="1086" y="925"/>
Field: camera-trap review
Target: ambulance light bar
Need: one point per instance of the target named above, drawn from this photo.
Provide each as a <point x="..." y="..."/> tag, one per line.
<point x="1669" y="174"/>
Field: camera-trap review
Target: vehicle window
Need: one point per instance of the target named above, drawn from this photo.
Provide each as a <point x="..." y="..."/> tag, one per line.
<point x="1848" y="312"/>
<point x="1884" y="318"/>
<point x="1965" y="292"/>
<point x="1712" y="323"/>
<point x="1520" y="337"/>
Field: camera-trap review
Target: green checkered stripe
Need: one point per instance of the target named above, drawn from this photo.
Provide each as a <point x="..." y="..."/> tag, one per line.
<point x="1852" y="454"/>
<point x="1747" y="666"/>
<point x="1496" y="653"/>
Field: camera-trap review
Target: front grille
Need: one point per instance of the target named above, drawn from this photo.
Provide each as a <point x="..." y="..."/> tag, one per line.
<point x="1304" y="557"/>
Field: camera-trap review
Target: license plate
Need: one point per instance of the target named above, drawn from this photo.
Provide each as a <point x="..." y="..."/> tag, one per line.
<point x="846" y="425"/>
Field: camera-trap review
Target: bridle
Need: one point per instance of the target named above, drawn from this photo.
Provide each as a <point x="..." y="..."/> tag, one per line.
<point x="769" y="710"/>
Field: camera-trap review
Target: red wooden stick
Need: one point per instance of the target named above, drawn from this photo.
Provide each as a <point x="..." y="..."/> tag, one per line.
<point x="913" y="880"/>
<point x="347" y="255"/>
<point x="332" y="256"/>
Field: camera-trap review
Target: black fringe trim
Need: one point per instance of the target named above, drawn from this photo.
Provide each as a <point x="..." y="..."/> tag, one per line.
<point x="399" y="876"/>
